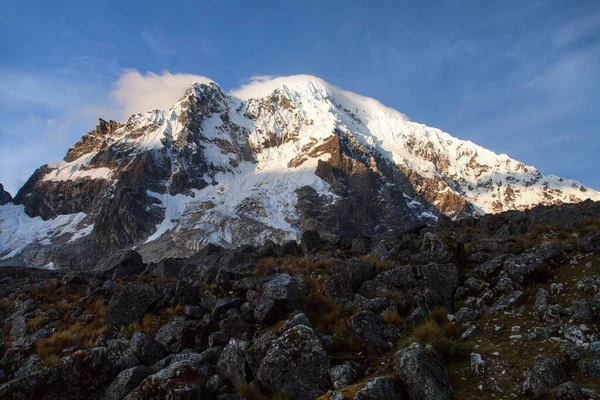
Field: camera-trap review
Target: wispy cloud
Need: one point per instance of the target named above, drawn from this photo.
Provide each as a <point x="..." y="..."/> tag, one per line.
<point x="135" y="93"/>
<point x="156" y="40"/>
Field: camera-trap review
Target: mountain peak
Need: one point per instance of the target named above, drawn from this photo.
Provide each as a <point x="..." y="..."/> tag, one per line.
<point x="268" y="161"/>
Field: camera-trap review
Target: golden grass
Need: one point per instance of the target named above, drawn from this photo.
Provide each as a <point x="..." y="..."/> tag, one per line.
<point x="392" y="317"/>
<point x="171" y="312"/>
<point x="380" y="265"/>
<point x="73" y="332"/>
<point x="150" y="323"/>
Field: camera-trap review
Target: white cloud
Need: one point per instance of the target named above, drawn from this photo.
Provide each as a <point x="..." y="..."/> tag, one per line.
<point x="136" y="93"/>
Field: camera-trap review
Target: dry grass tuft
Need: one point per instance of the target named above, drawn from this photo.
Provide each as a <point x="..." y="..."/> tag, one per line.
<point x="392" y="317"/>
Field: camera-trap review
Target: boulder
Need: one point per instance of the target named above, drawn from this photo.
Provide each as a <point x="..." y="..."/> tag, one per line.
<point x="370" y="329"/>
<point x="131" y="303"/>
<point x="590" y="367"/>
<point x="296" y="365"/>
<point x="591" y="242"/>
<point x="360" y="271"/>
<point x="507" y="301"/>
<point x="338" y="288"/>
<point x="361" y="245"/>
<point x="280" y="295"/>
<point x="176" y="335"/>
<point x="311" y="241"/>
<point x="343" y="375"/>
<point x="146" y="349"/>
<point x="180" y="380"/>
<point x="543" y="377"/>
<point x="466" y="314"/>
<point x="122" y="264"/>
<point x="381" y="389"/>
<point x="125" y="382"/>
<point x="232" y="363"/>
<point x="422" y="373"/>
<point x="289" y="248"/>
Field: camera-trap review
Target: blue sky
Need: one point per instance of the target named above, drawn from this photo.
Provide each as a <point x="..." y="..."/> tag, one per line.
<point x="517" y="77"/>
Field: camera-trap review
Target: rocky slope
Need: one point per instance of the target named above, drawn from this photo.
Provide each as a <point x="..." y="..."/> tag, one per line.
<point x="216" y="168"/>
<point x="504" y="306"/>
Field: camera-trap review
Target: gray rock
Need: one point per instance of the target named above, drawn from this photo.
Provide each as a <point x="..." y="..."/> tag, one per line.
<point x="342" y="375"/>
<point x="18" y="325"/>
<point x="360" y="271"/>
<point x="180" y="380"/>
<point x="581" y="311"/>
<point x="289" y="248"/>
<point x="218" y="338"/>
<point x="369" y="328"/>
<point x="507" y="301"/>
<point x="471" y="330"/>
<point x="568" y="391"/>
<point x="311" y="241"/>
<point x="544" y="376"/>
<point x="590" y="367"/>
<point x="361" y="245"/>
<point x="476" y="285"/>
<point x="466" y="314"/>
<point x="374" y="304"/>
<point x="146" y="348"/>
<point x="131" y="303"/>
<point x="125" y="382"/>
<point x="232" y="363"/>
<point x="423" y="373"/>
<point x="280" y="295"/>
<point x="477" y="364"/>
<point x="176" y="334"/>
<point x="381" y="389"/>
<point x="32" y="364"/>
<point x="338" y="288"/>
<point x="591" y="242"/>
<point x="488" y="268"/>
<point x="506" y="285"/>
<point x="193" y="312"/>
<point x="542" y="299"/>
<point x="296" y="365"/>
<point x="574" y="334"/>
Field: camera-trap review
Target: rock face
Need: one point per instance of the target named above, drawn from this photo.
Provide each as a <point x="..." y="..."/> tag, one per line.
<point x="5" y="197"/>
<point x="206" y="170"/>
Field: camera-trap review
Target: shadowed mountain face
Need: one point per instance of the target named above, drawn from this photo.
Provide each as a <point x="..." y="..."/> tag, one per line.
<point x="219" y="169"/>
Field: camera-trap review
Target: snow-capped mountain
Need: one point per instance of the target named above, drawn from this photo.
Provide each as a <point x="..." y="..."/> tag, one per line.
<point x="263" y="163"/>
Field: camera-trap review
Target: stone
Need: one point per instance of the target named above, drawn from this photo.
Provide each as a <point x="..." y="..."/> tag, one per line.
<point x="544" y="376"/>
<point x="477" y="364"/>
<point x="311" y="241"/>
<point x="280" y="295"/>
<point x="193" y="312"/>
<point x="146" y="349"/>
<point x="471" y="330"/>
<point x="218" y="338"/>
<point x="125" y="382"/>
<point x="381" y="389"/>
<point x="289" y="248"/>
<point x="232" y="363"/>
<point x="176" y="334"/>
<point x="360" y="271"/>
<point x="590" y="367"/>
<point x="542" y="299"/>
<point x="422" y="373"/>
<point x="568" y="391"/>
<point x="476" y="285"/>
<point x="466" y="314"/>
<point x="361" y="245"/>
<point x="295" y="365"/>
<point x="342" y="375"/>
<point x="507" y="301"/>
<point x="370" y="329"/>
<point x="338" y="288"/>
<point x="181" y="380"/>
<point x="131" y="303"/>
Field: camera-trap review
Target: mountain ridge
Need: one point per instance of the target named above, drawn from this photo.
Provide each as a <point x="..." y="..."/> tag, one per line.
<point x="218" y="168"/>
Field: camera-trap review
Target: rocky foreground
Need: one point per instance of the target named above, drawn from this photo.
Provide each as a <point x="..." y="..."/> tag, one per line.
<point x="506" y="306"/>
